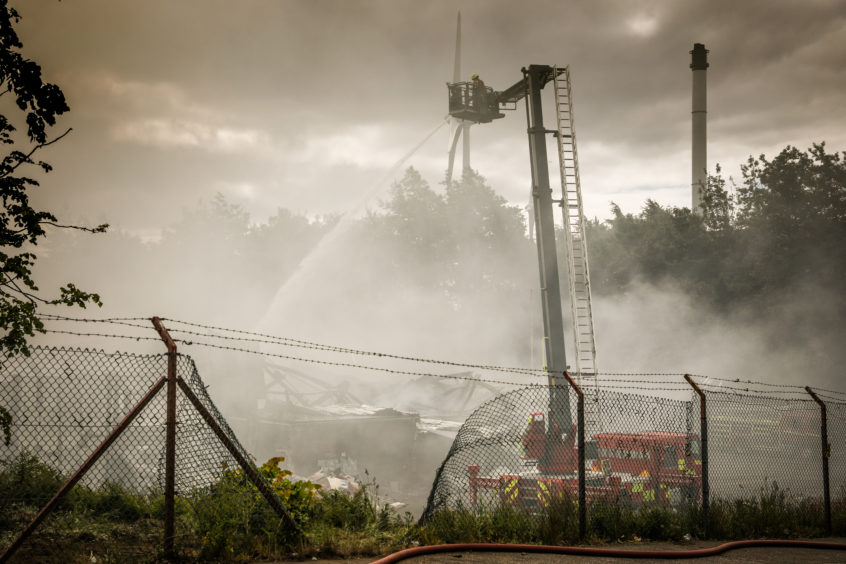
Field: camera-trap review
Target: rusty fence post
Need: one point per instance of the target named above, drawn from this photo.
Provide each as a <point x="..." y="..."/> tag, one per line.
<point x="826" y="452"/>
<point x="580" y="430"/>
<point x="703" y="432"/>
<point x="170" y="440"/>
<point x="257" y="481"/>
<point x="45" y="511"/>
<point x="170" y="459"/>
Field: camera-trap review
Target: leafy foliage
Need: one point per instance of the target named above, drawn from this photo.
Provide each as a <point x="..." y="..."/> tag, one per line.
<point x="781" y="227"/>
<point x="6" y="425"/>
<point x="20" y="224"/>
<point x="26" y="479"/>
<point x="232" y="515"/>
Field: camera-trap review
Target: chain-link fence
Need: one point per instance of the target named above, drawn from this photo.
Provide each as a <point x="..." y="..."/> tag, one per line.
<point x="756" y="442"/>
<point x="66" y="403"/>
<point x="521" y="450"/>
<point x="837" y="456"/>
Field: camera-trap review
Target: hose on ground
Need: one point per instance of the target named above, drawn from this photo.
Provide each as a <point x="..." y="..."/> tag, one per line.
<point x="606" y="552"/>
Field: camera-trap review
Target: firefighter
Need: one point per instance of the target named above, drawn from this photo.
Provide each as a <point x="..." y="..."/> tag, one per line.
<point x="479" y="94"/>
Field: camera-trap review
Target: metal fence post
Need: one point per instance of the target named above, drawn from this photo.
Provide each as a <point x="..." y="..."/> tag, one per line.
<point x="580" y="430"/>
<point x="826" y="452"/>
<point x="170" y="440"/>
<point x="703" y="431"/>
<point x="258" y="482"/>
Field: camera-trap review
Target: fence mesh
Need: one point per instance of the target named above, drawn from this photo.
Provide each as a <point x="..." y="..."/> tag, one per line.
<point x="639" y="449"/>
<point x="837" y="454"/>
<point x="759" y="443"/>
<point x="65" y="402"/>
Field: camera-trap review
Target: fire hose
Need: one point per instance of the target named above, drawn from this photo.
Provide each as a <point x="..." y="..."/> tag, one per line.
<point x="606" y="552"/>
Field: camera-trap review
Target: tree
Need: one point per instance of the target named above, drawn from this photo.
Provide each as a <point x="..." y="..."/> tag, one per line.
<point x="783" y="230"/>
<point x="21" y="225"/>
<point x="463" y="241"/>
<point x="451" y="258"/>
<point x="791" y="214"/>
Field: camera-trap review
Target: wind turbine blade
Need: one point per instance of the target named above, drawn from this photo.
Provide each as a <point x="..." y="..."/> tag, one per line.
<point x="465" y="149"/>
<point x="456" y="69"/>
<point x="452" y="153"/>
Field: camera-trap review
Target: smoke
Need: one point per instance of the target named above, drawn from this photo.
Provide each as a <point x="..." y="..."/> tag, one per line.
<point x="368" y="288"/>
<point x="659" y="328"/>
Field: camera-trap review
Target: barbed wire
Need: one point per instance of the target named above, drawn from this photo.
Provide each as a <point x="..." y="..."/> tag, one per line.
<point x="113" y="320"/>
<point x="703" y="381"/>
<point x="287" y="341"/>
<point x="651" y="374"/>
<point x="273" y="339"/>
<point x="92" y="319"/>
<point x="349" y="365"/>
<point x="620" y="385"/>
<point x="329" y="348"/>
<point x="717" y="388"/>
<point x="816" y="390"/>
<point x="831" y="398"/>
<point x="108" y="335"/>
<point x="650" y="388"/>
<point x="766" y="384"/>
<point x="621" y="381"/>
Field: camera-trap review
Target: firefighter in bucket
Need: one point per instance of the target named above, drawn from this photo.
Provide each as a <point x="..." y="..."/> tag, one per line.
<point x="479" y="99"/>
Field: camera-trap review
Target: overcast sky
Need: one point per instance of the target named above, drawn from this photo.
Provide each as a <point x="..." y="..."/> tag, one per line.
<point x="307" y="104"/>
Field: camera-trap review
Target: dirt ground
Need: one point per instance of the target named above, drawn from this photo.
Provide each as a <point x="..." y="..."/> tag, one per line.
<point x="738" y="556"/>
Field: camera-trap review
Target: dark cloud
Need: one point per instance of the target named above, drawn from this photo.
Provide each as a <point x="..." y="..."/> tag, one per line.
<point x="167" y="96"/>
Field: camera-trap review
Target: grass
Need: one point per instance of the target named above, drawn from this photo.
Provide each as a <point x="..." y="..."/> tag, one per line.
<point x="774" y="513"/>
<point x="229" y="521"/>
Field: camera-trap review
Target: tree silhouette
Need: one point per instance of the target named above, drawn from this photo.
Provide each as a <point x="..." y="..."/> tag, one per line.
<point x="21" y="225"/>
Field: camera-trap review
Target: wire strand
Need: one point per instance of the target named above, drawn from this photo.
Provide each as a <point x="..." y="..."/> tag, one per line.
<point x="628" y="378"/>
<point x="349" y="365"/>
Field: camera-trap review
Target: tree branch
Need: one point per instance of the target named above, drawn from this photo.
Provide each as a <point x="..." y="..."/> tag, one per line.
<point x="31" y="297"/>
<point x="102" y="228"/>
<point x="27" y="158"/>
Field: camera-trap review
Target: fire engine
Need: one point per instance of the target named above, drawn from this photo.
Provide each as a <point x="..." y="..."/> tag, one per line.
<point x="632" y="468"/>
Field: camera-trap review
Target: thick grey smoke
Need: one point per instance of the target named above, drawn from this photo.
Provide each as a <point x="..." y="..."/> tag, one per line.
<point x="662" y="329"/>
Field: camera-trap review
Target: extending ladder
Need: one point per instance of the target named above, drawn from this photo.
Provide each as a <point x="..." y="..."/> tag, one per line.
<point x="577" y="257"/>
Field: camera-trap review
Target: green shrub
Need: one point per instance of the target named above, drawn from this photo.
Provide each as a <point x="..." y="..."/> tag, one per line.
<point x="497" y="522"/>
<point x="232" y="517"/>
<point x="27" y="480"/>
<point x="357" y="512"/>
<point x="111" y="501"/>
<point x="349" y="525"/>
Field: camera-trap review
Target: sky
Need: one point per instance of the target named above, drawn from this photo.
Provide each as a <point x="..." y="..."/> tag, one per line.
<point x="310" y="105"/>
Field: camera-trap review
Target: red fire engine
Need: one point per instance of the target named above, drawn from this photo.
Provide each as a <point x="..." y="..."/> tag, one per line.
<point x="632" y="468"/>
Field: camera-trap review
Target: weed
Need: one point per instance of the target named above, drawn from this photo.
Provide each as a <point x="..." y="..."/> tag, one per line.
<point x="774" y="512"/>
<point x="231" y="520"/>
<point x="27" y="480"/>
<point x="111" y="501"/>
<point x="560" y="521"/>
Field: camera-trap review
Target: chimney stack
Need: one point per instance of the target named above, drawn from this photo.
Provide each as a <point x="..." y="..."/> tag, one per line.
<point x="699" y="153"/>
